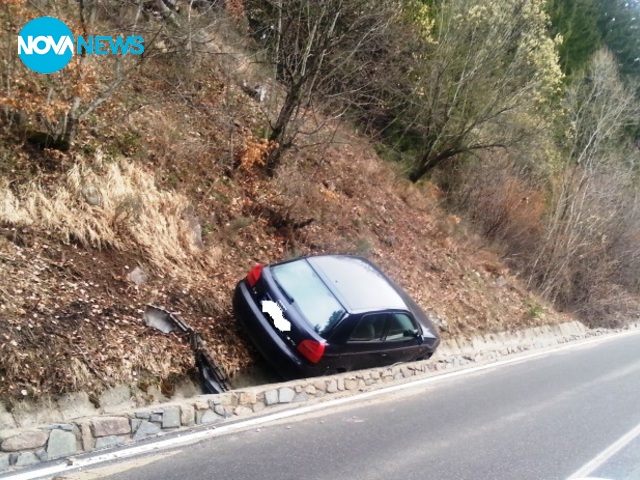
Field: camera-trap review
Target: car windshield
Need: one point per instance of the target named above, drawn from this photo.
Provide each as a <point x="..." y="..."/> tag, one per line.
<point x="312" y="297"/>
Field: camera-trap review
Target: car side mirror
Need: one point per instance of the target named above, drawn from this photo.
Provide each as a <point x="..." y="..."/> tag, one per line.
<point x="414" y="334"/>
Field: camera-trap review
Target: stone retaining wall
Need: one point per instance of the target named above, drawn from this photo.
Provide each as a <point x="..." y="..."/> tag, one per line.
<point x="32" y="444"/>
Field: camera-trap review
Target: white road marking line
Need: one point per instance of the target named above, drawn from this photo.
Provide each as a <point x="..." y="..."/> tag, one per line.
<point x="593" y="478"/>
<point x="189" y="438"/>
<point x="602" y="458"/>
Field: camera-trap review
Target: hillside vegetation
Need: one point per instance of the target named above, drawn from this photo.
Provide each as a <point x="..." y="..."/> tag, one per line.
<point x="466" y="148"/>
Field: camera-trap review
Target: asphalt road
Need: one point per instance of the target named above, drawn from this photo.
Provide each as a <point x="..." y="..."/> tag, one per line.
<point x="541" y="419"/>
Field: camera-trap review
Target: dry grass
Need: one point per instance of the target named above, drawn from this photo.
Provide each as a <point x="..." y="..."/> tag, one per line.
<point x="114" y="205"/>
<point x="69" y="325"/>
<point x="609" y="306"/>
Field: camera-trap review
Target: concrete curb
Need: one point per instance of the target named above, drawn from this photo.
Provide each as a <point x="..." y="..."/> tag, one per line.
<point x="22" y="447"/>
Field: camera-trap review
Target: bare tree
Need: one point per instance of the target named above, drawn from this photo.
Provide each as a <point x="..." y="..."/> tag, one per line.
<point x="592" y="200"/>
<point x="317" y="49"/>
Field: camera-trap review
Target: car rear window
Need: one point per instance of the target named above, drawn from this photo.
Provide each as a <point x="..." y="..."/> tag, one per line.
<point x="309" y="293"/>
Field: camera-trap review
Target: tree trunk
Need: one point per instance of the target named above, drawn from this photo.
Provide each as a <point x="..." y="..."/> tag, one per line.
<point x="280" y="128"/>
<point x="428" y="163"/>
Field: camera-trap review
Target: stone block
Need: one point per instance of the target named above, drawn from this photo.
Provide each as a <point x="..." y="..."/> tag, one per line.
<point x="156" y="417"/>
<point x="143" y="414"/>
<point x="224" y="412"/>
<point x="111" y="441"/>
<point x="145" y="430"/>
<point x="310" y="390"/>
<point x="228" y="399"/>
<point x="286" y="395"/>
<point x="42" y="454"/>
<point x="351" y="384"/>
<point x="242" y="411"/>
<point x="105" y="426"/>
<point x="24" y="459"/>
<point x="247" y="398"/>
<point x="88" y="441"/>
<point x="28" y="440"/>
<point x="187" y="415"/>
<point x="258" y="407"/>
<point x="171" y="417"/>
<point x="207" y="416"/>
<point x="271" y="397"/>
<point x="4" y="461"/>
<point x="340" y="381"/>
<point x="332" y="386"/>
<point x="301" y="397"/>
<point x="61" y="444"/>
<point x="135" y="423"/>
<point x="320" y="385"/>
<point x="67" y="427"/>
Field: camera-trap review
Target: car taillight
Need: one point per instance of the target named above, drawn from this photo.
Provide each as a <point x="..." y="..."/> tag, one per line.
<point x="254" y="275"/>
<point x="311" y="350"/>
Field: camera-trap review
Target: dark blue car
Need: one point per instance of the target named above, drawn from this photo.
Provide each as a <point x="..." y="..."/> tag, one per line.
<point x="331" y="313"/>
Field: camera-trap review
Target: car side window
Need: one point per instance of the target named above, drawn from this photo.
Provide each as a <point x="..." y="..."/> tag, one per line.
<point x="369" y="328"/>
<point x="401" y="327"/>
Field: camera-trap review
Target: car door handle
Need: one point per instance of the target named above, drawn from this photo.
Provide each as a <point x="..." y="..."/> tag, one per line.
<point x="383" y="354"/>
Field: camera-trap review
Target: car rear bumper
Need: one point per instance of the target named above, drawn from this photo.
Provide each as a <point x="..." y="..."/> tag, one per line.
<point x="284" y="359"/>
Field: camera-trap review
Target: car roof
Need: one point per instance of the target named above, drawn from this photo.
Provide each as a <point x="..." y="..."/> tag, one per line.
<point x="357" y="283"/>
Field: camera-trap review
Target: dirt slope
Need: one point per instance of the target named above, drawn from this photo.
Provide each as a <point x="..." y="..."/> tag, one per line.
<point x="151" y="186"/>
<point x="71" y="314"/>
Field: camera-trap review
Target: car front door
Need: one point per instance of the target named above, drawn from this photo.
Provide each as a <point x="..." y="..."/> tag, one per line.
<point x="401" y="343"/>
<point x="362" y="345"/>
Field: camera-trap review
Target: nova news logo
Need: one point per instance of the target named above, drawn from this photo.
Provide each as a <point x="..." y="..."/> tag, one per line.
<point x="46" y="45"/>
